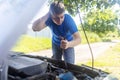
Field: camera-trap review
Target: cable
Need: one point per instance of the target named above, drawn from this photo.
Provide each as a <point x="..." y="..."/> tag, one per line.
<point x="63" y="52"/>
<point x="66" y="66"/>
<point x="85" y="35"/>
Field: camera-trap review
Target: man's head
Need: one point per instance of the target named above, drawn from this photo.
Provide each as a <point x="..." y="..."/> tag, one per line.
<point x="57" y="11"/>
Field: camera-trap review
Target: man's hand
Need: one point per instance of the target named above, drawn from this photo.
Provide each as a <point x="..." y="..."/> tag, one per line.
<point x="64" y="44"/>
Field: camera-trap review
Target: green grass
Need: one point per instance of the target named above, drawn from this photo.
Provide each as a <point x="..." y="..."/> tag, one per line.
<point x="109" y="61"/>
<point x="28" y="44"/>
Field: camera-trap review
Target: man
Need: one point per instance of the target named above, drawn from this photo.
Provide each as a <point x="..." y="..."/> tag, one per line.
<point x="65" y="34"/>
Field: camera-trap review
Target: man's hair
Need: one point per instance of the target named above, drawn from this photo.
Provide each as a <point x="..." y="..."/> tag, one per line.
<point x="57" y="7"/>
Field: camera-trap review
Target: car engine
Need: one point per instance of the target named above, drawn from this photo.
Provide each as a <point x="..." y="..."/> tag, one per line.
<point x="29" y="67"/>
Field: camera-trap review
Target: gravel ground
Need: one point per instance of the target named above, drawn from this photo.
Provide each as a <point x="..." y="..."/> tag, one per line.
<point x="82" y="52"/>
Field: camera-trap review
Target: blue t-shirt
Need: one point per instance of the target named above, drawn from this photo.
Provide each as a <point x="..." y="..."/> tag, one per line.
<point x="66" y="29"/>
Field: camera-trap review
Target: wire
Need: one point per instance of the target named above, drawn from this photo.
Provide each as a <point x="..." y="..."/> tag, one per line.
<point x="63" y="52"/>
<point x="85" y="35"/>
<point x="66" y="66"/>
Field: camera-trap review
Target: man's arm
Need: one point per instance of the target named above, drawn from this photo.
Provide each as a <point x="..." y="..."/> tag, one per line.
<point x="40" y="23"/>
<point x="76" y="40"/>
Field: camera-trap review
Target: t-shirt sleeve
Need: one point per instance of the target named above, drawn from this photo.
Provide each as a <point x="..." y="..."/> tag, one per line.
<point x="70" y="23"/>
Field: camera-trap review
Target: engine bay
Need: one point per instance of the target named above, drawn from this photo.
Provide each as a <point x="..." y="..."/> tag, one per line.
<point x="29" y="67"/>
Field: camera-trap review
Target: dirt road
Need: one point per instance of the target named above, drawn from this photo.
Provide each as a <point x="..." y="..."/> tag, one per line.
<point x="82" y="52"/>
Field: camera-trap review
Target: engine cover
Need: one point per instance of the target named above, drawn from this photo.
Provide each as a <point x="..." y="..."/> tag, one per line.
<point x="26" y="66"/>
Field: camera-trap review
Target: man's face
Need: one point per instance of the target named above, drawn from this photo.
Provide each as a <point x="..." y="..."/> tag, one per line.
<point x="58" y="19"/>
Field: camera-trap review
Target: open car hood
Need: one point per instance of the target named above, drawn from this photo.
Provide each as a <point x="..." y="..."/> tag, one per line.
<point x="15" y="15"/>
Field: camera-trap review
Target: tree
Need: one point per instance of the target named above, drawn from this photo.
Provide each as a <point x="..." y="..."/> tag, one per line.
<point x="100" y="21"/>
<point x="86" y="5"/>
<point x="98" y="16"/>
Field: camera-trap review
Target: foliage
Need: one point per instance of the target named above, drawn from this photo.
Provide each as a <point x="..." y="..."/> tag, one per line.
<point x="114" y="34"/>
<point x="100" y="21"/>
<point x="99" y="18"/>
<point x="86" y="5"/>
<point x="106" y="39"/>
<point x="28" y="44"/>
<point x="92" y="37"/>
<point x="111" y="36"/>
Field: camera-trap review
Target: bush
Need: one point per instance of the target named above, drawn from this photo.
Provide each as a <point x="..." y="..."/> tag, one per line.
<point x="92" y="37"/>
<point x="106" y="39"/>
<point x="112" y="34"/>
